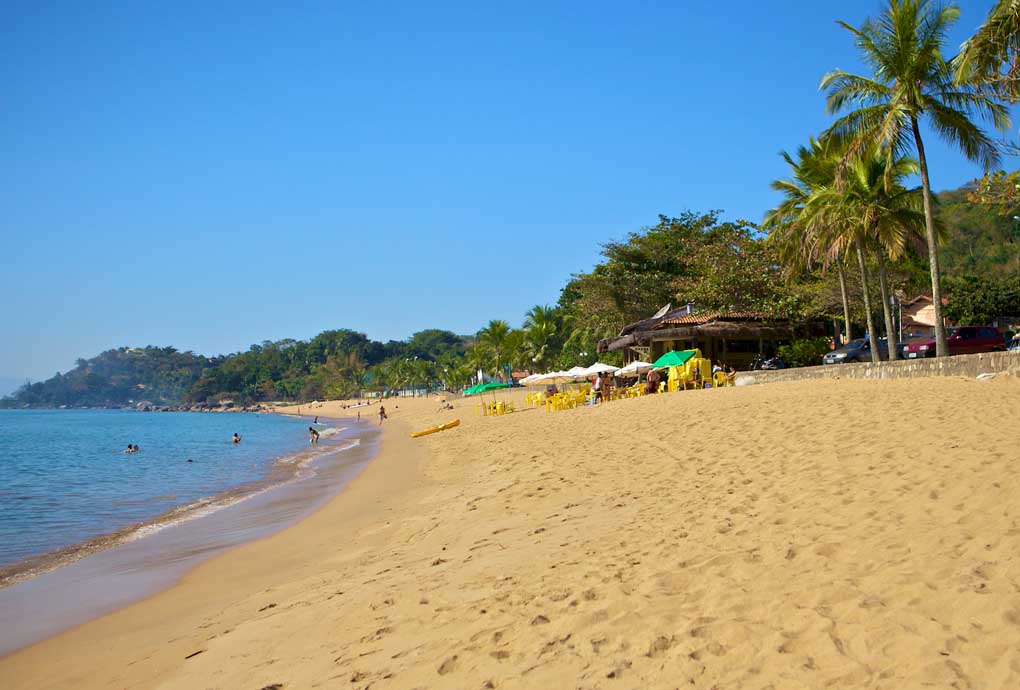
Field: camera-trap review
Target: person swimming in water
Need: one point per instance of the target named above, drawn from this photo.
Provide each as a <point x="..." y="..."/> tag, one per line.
<point x="237" y="438"/>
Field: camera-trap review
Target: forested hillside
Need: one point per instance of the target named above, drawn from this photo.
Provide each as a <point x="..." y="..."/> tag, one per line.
<point x="978" y="241"/>
<point x="160" y="375"/>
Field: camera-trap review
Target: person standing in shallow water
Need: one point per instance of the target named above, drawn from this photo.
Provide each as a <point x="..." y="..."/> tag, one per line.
<point x="237" y="438"/>
<point x="313" y="436"/>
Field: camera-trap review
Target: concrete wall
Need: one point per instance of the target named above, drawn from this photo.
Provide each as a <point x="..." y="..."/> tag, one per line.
<point x="960" y="365"/>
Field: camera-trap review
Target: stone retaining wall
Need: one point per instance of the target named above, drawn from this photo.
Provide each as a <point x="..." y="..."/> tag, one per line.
<point x="960" y="365"/>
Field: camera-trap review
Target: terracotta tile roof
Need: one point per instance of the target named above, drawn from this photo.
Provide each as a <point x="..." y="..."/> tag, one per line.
<point x="706" y="317"/>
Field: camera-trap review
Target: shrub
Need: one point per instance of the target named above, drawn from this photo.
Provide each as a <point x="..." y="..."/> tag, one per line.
<point x="804" y="353"/>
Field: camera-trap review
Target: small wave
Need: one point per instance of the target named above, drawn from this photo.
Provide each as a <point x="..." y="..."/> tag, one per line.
<point x="332" y="431"/>
<point x="194" y="510"/>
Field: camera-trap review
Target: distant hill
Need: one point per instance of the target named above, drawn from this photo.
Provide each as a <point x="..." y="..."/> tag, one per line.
<point x="117" y="378"/>
<point x="334" y="363"/>
<point x="978" y="241"/>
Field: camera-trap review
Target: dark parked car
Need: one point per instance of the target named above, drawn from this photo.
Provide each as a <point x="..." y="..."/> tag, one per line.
<point x="856" y="351"/>
<point x="962" y="340"/>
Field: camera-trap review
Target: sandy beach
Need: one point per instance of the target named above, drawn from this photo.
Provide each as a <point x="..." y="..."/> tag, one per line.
<point x="792" y="535"/>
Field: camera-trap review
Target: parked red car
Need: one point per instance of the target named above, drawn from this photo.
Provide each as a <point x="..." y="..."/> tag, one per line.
<point x="962" y="340"/>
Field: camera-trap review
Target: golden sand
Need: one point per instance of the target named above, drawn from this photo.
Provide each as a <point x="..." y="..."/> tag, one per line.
<point x="803" y="535"/>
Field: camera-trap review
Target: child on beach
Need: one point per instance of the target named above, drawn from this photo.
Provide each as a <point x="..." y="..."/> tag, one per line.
<point x="382" y="414"/>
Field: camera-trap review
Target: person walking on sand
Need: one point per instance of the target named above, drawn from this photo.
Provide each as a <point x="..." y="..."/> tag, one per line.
<point x="313" y="436"/>
<point x="382" y="414"/>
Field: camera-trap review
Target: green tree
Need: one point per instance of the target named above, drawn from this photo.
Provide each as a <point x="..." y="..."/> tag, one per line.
<point x="870" y="208"/>
<point x="493" y="339"/>
<point x="801" y="244"/>
<point x="912" y="80"/>
<point x="542" y="327"/>
<point x="982" y="300"/>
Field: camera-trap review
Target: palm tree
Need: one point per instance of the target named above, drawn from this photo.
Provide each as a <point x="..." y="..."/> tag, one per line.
<point x="797" y="242"/>
<point x="869" y="213"/>
<point x="992" y="54"/>
<point x="538" y="342"/>
<point x="541" y="326"/>
<point x="477" y="357"/>
<point x="493" y="338"/>
<point x="911" y="79"/>
<point x="540" y="315"/>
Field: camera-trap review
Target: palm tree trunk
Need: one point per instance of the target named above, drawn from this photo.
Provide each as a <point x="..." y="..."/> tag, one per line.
<point x="890" y="328"/>
<point x="846" y="302"/>
<point x="941" y="348"/>
<point x="867" y="302"/>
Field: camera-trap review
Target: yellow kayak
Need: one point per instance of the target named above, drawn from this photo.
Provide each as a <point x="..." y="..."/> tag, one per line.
<point x="436" y="429"/>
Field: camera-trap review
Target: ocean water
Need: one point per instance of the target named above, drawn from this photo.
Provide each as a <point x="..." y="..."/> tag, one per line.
<point x="65" y="480"/>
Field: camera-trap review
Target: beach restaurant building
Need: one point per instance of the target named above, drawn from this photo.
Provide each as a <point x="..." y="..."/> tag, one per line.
<point x="732" y="338"/>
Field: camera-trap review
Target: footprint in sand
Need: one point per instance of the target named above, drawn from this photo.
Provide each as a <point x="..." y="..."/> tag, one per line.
<point x="659" y="645"/>
<point x="448" y="665"/>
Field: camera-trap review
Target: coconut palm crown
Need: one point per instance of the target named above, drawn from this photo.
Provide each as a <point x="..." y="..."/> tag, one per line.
<point x="992" y="54"/>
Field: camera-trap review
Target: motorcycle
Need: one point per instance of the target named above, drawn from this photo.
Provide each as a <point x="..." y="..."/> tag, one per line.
<point x="761" y="363"/>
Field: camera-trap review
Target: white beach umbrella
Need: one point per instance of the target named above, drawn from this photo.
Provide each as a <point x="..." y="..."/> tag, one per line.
<point x="578" y="373"/>
<point x="634" y="368"/>
<point x="534" y="380"/>
<point x="556" y="377"/>
<point x="600" y="368"/>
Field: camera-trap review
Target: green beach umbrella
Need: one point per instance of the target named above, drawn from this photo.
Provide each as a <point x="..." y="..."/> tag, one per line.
<point x="673" y="358"/>
<point x="491" y="386"/>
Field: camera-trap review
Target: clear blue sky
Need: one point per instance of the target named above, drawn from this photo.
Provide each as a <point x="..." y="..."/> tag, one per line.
<point x="209" y="175"/>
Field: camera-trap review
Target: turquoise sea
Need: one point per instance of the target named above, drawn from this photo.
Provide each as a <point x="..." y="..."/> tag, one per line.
<point x="65" y="480"/>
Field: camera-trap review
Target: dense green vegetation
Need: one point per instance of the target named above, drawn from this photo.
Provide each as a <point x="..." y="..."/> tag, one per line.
<point x="977" y="241"/>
